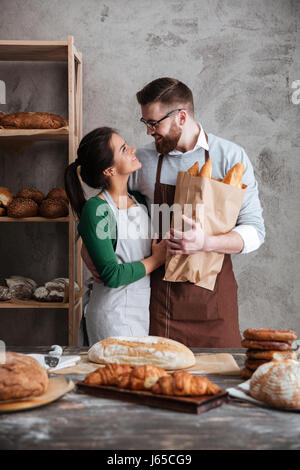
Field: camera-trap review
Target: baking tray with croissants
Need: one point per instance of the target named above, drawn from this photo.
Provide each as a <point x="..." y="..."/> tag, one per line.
<point x="152" y="386"/>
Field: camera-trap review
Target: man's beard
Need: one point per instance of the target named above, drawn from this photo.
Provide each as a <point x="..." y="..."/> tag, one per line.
<point x="170" y="141"/>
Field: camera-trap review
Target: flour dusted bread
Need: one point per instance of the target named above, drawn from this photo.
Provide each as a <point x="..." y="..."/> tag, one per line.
<point x="21" y="376"/>
<point x="155" y="350"/>
<point x="277" y="383"/>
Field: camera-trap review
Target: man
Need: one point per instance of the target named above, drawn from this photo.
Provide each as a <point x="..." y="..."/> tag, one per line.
<point x="183" y="311"/>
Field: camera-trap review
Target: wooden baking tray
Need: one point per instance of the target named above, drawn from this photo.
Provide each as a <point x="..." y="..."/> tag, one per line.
<point x="196" y="404"/>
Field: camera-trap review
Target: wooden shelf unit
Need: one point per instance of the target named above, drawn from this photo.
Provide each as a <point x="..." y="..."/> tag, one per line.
<point x="54" y="51"/>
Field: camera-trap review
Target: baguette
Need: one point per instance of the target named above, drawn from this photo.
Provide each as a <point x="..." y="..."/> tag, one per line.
<point x="155" y="350"/>
<point x="206" y="169"/>
<point x="193" y="171"/>
<point x="234" y="175"/>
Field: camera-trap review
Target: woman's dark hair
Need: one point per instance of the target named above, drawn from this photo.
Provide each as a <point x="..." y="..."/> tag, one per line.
<point x="94" y="155"/>
<point x="167" y="91"/>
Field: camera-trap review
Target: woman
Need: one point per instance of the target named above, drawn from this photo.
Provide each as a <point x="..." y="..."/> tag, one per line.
<point x="121" y="264"/>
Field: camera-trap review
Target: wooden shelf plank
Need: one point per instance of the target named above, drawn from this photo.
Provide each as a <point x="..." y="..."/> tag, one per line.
<point x="9" y="135"/>
<point x="54" y="51"/>
<point x="34" y="219"/>
<point x="36" y="304"/>
<point x="33" y="304"/>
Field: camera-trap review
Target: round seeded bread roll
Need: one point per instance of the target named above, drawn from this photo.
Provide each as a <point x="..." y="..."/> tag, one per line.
<point x="155" y="350"/>
<point x="22" y="207"/>
<point x="58" y="193"/>
<point x="31" y="193"/>
<point x="52" y="208"/>
<point x="21" y="376"/>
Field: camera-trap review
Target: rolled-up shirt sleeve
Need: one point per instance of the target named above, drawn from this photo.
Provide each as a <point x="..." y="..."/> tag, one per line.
<point x="250" y="223"/>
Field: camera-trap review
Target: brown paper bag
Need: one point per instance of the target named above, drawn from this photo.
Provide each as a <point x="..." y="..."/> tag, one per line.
<point x="215" y="205"/>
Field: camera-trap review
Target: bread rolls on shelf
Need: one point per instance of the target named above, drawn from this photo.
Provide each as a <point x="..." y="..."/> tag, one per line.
<point x="155" y="350"/>
<point x="234" y="175"/>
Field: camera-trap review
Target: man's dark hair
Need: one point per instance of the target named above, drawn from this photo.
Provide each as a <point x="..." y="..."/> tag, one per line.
<point x="167" y="91"/>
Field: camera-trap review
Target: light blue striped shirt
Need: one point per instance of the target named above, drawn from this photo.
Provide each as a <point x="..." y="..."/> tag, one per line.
<point x="224" y="155"/>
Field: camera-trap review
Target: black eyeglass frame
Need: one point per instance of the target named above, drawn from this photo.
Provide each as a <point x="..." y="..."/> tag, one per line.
<point x="153" y="126"/>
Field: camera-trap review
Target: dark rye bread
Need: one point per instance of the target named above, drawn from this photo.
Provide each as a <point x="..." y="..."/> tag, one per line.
<point x="21" y="376"/>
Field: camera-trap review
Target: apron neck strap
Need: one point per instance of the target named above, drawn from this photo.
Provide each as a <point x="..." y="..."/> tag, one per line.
<point x="160" y="160"/>
<point x="158" y="170"/>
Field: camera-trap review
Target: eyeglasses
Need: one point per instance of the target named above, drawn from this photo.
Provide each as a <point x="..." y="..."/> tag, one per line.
<point x="153" y="124"/>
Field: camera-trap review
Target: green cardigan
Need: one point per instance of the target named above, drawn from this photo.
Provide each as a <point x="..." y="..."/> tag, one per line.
<point x="98" y="230"/>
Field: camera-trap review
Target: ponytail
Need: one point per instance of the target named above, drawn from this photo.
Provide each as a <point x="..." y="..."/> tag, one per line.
<point x="74" y="188"/>
<point x="94" y="155"/>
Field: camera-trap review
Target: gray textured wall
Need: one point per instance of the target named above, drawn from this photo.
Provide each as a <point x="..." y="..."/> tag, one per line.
<point x="239" y="57"/>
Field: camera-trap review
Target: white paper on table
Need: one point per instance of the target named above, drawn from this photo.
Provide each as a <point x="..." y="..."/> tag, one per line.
<point x="64" y="361"/>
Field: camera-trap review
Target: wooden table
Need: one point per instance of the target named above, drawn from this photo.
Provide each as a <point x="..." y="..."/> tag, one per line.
<point x="79" y="421"/>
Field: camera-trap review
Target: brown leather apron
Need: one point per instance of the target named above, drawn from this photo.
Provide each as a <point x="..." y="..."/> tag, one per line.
<point x="195" y="316"/>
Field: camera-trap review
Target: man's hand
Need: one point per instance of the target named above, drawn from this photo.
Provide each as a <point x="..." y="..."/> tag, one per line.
<point x="196" y="240"/>
<point x="189" y="242"/>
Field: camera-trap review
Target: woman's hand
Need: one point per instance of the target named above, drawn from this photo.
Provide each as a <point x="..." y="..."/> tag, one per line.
<point x="159" y="250"/>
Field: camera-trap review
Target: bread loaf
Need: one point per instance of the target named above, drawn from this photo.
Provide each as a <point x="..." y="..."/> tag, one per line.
<point x="21" y="207"/>
<point x="52" y="208"/>
<point x="21" y="287"/>
<point x="29" y="120"/>
<point x="5" y="196"/>
<point x="31" y="193"/>
<point x="234" y="175"/>
<point x="277" y="383"/>
<point x="155" y="350"/>
<point x="206" y="170"/>
<point x="21" y="376"/>
<point x="58" y="193"/>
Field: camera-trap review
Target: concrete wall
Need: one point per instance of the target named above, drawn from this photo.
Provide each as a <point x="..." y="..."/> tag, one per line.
<point x="239" y="58"/>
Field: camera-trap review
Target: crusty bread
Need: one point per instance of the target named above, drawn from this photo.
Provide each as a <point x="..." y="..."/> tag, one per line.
<point x="193" y="171"/>
<point x="21" y="376"/>
<point x="277" y="383"/>
<point x="22" y="207"/>
<point x="155" y="350"/>
<point x="5" y="196"/>
<point x="31" y="193"/>
<point x="52" y="208"/>
<point x="234" y="175"/>
<point x="57" y="193"/>
<point x="30" y="120"/>
<point x="206" y="169"/>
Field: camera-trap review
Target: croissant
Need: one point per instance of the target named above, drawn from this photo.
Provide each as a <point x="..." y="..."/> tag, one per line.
<point x="234" y="175"/>
<point x="206" y="169"/>
<point x="194" y="169"/>
<point x="141" y="377"/>
<point x="183" y="383"/>
<point x="107" y="375"/>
